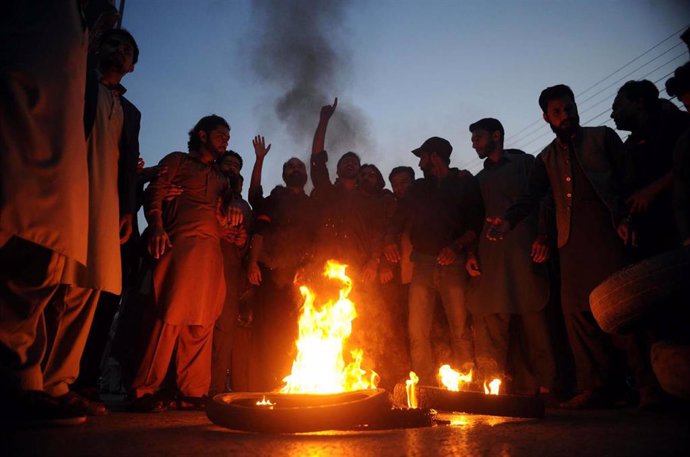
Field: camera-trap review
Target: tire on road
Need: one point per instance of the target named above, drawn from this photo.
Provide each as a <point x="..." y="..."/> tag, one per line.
<point x="671" y="364"/>
<point x="630" y="296"/>
<point x="295" y="413"/>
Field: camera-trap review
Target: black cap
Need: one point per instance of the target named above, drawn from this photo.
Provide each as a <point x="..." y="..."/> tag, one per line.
<point x="436" y="144"/>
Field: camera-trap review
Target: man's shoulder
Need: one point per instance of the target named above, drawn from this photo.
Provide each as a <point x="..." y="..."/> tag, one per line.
<point x="175" y="156"/>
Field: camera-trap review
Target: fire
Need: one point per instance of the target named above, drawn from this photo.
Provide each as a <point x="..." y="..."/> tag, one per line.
<point x="411" y="390"/>
<point x="453" y="380"/>
<point x="265" y="402"/>
<point x="493" y="387"/>
<point x="320" y="366"/>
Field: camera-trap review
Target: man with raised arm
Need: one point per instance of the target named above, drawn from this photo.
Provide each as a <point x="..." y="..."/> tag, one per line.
<point x="281" y="246"/>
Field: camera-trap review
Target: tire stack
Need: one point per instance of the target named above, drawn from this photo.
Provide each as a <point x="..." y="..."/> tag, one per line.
<point x="653" y="295"/>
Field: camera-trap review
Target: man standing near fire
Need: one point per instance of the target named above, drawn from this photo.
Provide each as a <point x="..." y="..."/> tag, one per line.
<point x="583" y="169"/>
<point x="189" y="286"/>
<point x="509" y="288"/>
<point x="280" y="248"/>
<point x="444" y="212"/>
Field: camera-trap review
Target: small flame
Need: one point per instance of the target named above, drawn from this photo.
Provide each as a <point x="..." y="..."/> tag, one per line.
<point x="453" y="380"/>
<point x="493" y="387"/>
<point x="411" y="390"/>
<point x="265" y="402"/>
<point x="320" y="366"/>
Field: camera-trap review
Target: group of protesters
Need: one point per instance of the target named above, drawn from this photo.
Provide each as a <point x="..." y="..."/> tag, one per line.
<point x="497" y="266"/>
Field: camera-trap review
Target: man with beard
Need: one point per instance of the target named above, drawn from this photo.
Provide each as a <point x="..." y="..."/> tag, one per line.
<point x="189" y="287"/>
<point x="343" y="229"/>
<point x="654" y="131"/>
<point x="444" y="212"/>
<point x="505" y="297"/>
<point x="582" y="169"/>
<point x="227" y="358"/>
<point x="281" y="246"/>
<point x="112" y="125"/>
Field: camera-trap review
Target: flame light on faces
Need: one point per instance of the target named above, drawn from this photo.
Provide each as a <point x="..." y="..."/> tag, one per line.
<point x="320" y="367"/>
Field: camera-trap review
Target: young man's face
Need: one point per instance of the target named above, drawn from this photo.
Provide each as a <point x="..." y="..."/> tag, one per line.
<point x="483" y="143"/>
<point x="623" y="111"/>
<point x="425" y="162"/>
<point x="401" y="182"/>
<point x="216" y="141"/>
<point x="561" y="114"/>
<point x="295" y="173"/>
<point x="348" y="167"/>
<point x="368" y="180"/>
<point x="230" y="165"/>
<point x="116" y="54"/>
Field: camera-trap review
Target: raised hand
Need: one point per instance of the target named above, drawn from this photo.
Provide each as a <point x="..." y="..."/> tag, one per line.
<point x="328" y="110"/>
<point x="260" y="148"/>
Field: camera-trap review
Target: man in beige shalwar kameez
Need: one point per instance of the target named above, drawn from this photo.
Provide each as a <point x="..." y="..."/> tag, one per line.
<point x="188" y="276"/>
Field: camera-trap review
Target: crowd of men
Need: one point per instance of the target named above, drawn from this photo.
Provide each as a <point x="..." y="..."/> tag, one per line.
<point x="205" y="299"/>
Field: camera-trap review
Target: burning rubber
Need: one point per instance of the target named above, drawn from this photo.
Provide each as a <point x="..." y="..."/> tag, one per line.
<point x="473" y="402"/>
<point x="295" y="413"/>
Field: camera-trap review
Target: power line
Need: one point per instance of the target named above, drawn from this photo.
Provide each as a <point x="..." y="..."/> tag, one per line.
<point x="516" y="136"/>
<point x="523" y="146"/>
<point x="582" y="103"/>
<point x="674" y="34"/>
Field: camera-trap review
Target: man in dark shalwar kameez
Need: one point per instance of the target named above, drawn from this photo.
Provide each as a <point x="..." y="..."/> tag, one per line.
<point x="281" y="246"/>
<point x="583" y="169"/>
<point x="189" y="285"/>
<point x="509" y="285"/>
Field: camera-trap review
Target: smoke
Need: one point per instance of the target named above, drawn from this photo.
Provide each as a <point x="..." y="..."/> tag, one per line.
<point x="300" y="51"/>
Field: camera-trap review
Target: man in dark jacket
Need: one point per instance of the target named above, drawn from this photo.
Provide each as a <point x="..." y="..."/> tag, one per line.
<point x="444" y="212"/>
<point x="582" y="167"/>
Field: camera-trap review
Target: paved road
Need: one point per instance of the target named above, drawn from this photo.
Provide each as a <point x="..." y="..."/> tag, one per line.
<point x="620" y="432"/>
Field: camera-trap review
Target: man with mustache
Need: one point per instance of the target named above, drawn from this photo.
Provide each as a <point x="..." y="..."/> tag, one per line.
<point x="189" y="286"/>
<point x="583" y="168"/>
<point x="280" y="247"/>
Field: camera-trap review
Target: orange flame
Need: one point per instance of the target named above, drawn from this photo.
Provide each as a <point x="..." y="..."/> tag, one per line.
<point x="265" y="402"/>
<point x="320" y="366"/>
<point x="452" y="379"/>
<point x="493" y="387"/>
<point x="411" y="390"/>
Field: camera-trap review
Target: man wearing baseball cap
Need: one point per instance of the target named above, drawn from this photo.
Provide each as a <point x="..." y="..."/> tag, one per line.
<point x="445" y="213"/>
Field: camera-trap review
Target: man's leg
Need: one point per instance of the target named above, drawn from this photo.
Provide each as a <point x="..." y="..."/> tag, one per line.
<point x="69" y="314"/>
<point x="421" y="312"/>
<point x="221" y="360"/>
<point x="154" y="365"/>
<point x="491" y="337"/>
<point x="28" y="281"/>
<point x="193" y="359"/>
<point x="452" y="282"/>
<point x="537" y="348"/>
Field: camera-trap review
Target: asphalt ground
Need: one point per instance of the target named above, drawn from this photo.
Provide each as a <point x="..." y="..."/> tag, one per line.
<point x="612" y="432"/>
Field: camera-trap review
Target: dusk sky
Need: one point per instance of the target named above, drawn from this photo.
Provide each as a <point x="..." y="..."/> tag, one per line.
<point x="403" y="70"/>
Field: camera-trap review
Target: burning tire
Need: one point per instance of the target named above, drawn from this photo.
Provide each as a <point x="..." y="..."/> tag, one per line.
<point x="630" y="296"/>
<point x="473" y="402"/>
<point x="671" y="364"/>
<point x="295" y="413"/>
